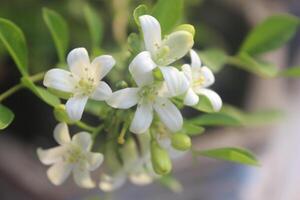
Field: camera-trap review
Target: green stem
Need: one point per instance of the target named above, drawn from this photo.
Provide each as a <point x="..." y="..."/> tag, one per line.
<point x="14" y="89"/>
<point x="85" y="126"/>
<point x="97" y="131"/>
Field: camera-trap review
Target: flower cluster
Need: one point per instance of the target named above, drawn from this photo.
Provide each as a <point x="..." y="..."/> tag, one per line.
<point x="158" y="87"/>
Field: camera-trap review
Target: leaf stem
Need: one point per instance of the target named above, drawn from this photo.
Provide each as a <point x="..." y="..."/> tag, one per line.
<point x="14" y="89"/>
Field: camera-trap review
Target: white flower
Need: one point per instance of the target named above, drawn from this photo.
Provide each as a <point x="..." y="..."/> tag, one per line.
<point x="151" y="95"/>
<point x="199" y="79"/>
<point x="71" y="156"/>
<point x="168" y="50"/>
<point x="82" y="82"/>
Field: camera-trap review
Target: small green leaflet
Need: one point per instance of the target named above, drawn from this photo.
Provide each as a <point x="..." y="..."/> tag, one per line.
<point x="171" y="183"/>
<point x="270" y="34"/>
<point x="216" y="119"/>
<point x="139" y="11"/>
<point x="231" y="154"/>
<point x="292" y="72"/>
<point x="168" y="13"/>
<point x="204" y="105"/>
<point x="14" y="41"/>
<point x="95" y="26"/>
<point x="192" y="129"/>
<point x="59" y="32"/>
<point x="215" y="59"/>
<point x="6" y="116"/>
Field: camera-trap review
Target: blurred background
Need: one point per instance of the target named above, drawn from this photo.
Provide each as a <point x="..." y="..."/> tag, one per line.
<point x="218" y="23"/>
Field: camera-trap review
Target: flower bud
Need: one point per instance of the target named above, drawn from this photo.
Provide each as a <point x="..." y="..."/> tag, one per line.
<point x="61" y="115"/>
<point x="129" y="152"/>
<point x="186" y="27"/>
<point x="160" y="158"/>
<point x="181" y="141"/>
<point x="121" y="85"/>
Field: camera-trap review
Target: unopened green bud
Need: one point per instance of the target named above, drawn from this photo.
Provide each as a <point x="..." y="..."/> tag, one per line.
<point x="61" y="114"/>
<point x="160" y="158"/>
<point x="158" y="76"/>
<point x="181" y="141"/>
<point x="129" y="152"/>
<point x="121" y="85"/>
<point x="186" y="27"/>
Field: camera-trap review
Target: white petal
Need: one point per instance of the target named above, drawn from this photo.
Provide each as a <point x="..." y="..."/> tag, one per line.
<point x="83" y="140"/>
<point x="175" y="80"/>
<point x="102" y="92"/>
<point x="61" y="134"/>
<point x="60" y="79"/>
<point x="109" y="183"/>
<point x="151" y="31"/>
<point x="186" y="69"/>
<point x="75" y="107"/>
<point x="195" y="59"/>
<point x="142" y="118"/>
<point x="52" y="155"/>
<point x="82" y="178"/>
<point x="208" y="76"/>
<point x="213" y="97"/>
<point x="78" y="61"/>
<point x="179" y="43"/>
<point x="169" y="114"/>
<point x="191" y="98"/>
<point x="59" y="172"/>
<point x="124" y="98"/>
<point x="102" y="65"/>
<point x="141" y="68"/>
<point x="95" y="160"/>
<point x="141" y="178"/>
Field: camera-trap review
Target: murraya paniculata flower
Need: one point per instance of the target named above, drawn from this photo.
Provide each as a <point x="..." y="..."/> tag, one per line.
<point x="151" y="95"/>
<point x="83" y="81"/>
<point x="199" y="79"/>
<point x="169" y="49"/>
<point x="72" y="156"/>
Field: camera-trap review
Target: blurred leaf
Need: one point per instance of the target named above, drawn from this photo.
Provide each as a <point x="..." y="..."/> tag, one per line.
<point x="139" y="11"/>
<point x="95" y="26"/>
<point x="14" y="41"/>
<point x="261" y="68"/>
<point x="192" y="129"/>
<point x="207" y="36"/>
<point x="232" y="154"/>
<point x="171" y="183"/>
<point x="6" y="116"/>
<point x="204" y="105"/>
<point x="270" y="34"/>
<point x="134" y="43"/>
<point x="42" y="93"/>
<point x="216" y="119"/>
<point x="215" y="59"/>
<point x="168" y="13"/>
<point x="59" y="31"/>
<point x="291" y="72"/>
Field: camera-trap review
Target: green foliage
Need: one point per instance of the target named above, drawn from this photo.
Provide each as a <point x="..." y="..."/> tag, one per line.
<point x="215" y="59"/>
<point x="134" y="43"/>
<point x="248" y="63"/>
<point x="6" y="116"/>
<point x="192" y="129"/>
<point x="216" y="119"/>
<point x="95" y="26"/>
<point x="270" y="34"/>
<point x="168" y="13"/>
<point x="139" y="11"/>
<point x="204" y="105"/>
<point x="236" y="155"/>
<point x="291" y="72"/>
<point x="171" y="183"/>
<point x="59" y="31"/>
<point x="14" y="41"/>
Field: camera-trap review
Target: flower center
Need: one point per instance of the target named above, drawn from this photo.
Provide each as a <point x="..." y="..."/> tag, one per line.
<point x="161" y="54"/>
<point x="149" y="92"/>
<point x="74" y="155"/>
<point x="86" y="86"/>
<point x="199" y="81"/>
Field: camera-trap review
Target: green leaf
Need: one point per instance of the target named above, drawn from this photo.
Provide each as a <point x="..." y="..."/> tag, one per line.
<point x="168" y="13"/>
<point x="192" y="129"/>
<point x="42" y="93"/>
<point x="134" y="43"/>
<point x="59" y="32"/>
<point x="171" y="183"/>
<point x="270" y="34"/>
<point x="139" y="11"/>
<point x="204" y="105"/>
<point x="232" y="154"/>
<point x="14" y="41"/>
<point x="6" y="116"/>
<point x="216" y="119"/>
<point x="261" y="68"/>
<point x="215" y="59"/>
<point x="293" y="72"/>
<point x="95" y="25"/>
